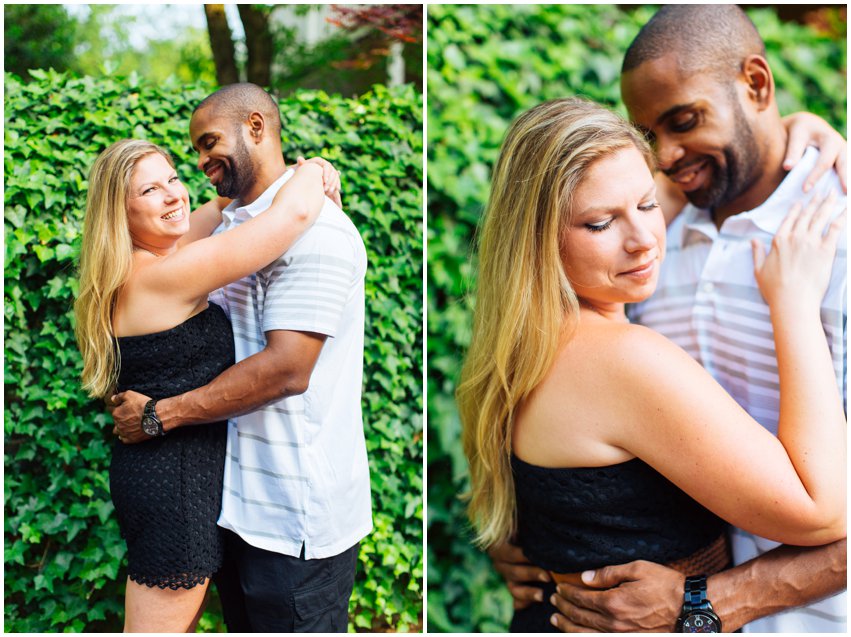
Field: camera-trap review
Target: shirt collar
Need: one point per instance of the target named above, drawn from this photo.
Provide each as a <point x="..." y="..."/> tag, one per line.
<point x="767" y="216"/>
<point x="260" y="204"/>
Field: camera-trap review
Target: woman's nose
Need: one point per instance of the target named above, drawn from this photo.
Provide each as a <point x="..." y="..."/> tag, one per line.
<point x="641" y="236"/>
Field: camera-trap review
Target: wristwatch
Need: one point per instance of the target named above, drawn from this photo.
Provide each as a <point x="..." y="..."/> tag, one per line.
<point x="151" y="423"/>
<point x="697" y="615"/>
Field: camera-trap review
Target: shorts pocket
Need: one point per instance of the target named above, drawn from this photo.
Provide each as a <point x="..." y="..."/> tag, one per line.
<point x="324" y="608"/>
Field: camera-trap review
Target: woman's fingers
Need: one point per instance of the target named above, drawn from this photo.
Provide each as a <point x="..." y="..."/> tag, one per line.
<point x="831" y="155"/>
<point x="823" y="213"/>
<point x="758" y="249"/>
<point x="834" y="230"/>
<point x="803" y="221"/>
<point x="789" y="220"/>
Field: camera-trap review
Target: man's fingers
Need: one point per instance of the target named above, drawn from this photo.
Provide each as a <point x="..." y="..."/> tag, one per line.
<point x="525" y="593"/>
<point x="580" y="596"/>
<point x="609" y="576"/>
<point x="566" y="626"/>
<point x="522" y="572"/>
<point x="579" y="616"/>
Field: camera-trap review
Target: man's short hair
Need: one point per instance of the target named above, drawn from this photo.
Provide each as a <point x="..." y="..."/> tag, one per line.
<point x="238" y="101"/>
<point x="704" y="38"/>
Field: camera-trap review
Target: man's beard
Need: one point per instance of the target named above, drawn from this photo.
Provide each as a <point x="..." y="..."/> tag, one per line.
<point x="238" y="174"/>
<point x="742" y="166"/>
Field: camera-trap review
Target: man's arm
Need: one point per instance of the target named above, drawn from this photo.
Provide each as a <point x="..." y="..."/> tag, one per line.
<point x="647" y="597"/>
<point x="281" y="369"/>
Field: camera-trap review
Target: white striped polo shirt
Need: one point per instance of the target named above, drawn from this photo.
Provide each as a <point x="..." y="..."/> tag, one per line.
<point x="296" y="471"/>
<point x="708" y="303"/>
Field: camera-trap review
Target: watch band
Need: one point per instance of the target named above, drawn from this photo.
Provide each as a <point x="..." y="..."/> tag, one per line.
<point x="697" y="615"/>
<point x="695" y="591"/>
<point x="151" y="423"/>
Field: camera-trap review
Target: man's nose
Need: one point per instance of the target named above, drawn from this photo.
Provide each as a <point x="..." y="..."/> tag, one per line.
<point x="668" y="152"/>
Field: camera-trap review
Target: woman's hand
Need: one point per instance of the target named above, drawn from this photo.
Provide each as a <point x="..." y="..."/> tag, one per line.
<point x="797" y="270"/>
<point x="806" y="129"/>
<point x="303" y="194"/>
<point x="330" y="177"/>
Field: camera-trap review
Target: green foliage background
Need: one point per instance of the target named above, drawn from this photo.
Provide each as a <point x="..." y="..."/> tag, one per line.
<point x="64" y="559"/>
<point x="486" y="64"/>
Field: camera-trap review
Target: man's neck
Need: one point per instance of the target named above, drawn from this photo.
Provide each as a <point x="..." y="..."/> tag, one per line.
<point x="767" y="181"/>
<point x="268" y="173"/>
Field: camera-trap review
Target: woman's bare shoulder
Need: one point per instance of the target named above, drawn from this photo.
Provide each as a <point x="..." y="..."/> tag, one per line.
<point x="628" y="355"/>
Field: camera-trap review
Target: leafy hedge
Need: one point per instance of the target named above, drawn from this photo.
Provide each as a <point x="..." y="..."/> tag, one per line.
<point x="487" y="63"/>
<point x="64" y="560"/>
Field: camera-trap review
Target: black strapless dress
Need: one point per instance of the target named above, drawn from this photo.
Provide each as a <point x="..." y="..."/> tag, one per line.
<point x="167" y="491"/>
<point x="571" y="520"/>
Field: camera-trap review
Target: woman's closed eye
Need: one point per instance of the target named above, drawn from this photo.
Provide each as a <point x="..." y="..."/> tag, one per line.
<point x="599" y="226"/>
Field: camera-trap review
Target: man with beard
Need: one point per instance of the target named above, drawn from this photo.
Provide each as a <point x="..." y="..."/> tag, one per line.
<point x="696" y="80"/>
<point x="296" y="499"/>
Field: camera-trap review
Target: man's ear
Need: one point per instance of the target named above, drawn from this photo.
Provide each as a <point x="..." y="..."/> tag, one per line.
<point x="759" y="81"/>
<point x="256" y="126"/>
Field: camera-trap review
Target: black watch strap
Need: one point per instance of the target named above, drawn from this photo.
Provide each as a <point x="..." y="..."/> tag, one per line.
<point x="695" y="591"/>
<point x="697" y="615"/>
<point x="151" y="424"/>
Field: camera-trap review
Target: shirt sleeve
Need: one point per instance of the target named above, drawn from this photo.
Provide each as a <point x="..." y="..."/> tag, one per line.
<point x="310" y="285"/>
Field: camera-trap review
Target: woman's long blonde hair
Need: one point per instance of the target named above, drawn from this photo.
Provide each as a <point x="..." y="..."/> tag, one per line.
<point x="105" y="260"/>
<point x="525" y="303"/>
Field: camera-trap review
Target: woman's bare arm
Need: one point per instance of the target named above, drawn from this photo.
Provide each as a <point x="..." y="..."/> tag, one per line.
<point x="679" y="420"/>
<point x="204" y="220"/>
<point x="202" y="266"/>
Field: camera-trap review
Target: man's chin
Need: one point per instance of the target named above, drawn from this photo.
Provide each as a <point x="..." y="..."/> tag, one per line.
<point x="225" y="190"/>
<point x="705" y="197"/>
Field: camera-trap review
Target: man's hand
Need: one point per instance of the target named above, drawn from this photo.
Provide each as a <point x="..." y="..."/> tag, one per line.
<point x="509" y="560"/>
<point x="126" y="409"/>
<point x="636" y="597"/>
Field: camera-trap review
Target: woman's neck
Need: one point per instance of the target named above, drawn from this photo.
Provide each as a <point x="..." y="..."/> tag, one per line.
<point x="609" y="311"/>
<point x="156" y="250"/>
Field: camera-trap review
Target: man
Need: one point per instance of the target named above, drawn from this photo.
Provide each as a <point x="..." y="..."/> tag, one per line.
<point x="697" y="81"/>
<point x="296" y="498"/>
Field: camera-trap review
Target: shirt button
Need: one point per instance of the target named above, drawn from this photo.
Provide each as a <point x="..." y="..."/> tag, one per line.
<point x="708" y="287"/>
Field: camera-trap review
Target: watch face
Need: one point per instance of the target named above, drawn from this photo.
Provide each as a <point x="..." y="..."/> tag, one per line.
<point x="700" y="622"/>
<point x="150" y="426"/>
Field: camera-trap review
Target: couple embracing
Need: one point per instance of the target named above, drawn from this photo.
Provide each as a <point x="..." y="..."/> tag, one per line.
<point x="229" y="344"/>
<point x="610" y="446"/>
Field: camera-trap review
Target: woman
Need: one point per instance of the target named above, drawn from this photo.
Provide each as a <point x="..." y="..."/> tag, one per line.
<point x="143" y="322"/>
<point x="577" y="422"/>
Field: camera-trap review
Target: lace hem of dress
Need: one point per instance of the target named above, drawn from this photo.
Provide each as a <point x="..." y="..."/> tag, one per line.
<point x="174" y="582"/>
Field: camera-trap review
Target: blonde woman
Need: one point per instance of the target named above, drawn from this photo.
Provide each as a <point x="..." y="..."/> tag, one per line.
<point x="143" y="323"/>
<point x="594" y="441"/>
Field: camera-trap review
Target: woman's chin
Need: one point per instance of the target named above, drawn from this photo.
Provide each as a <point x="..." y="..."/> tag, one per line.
<point x="641" y="294"/>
